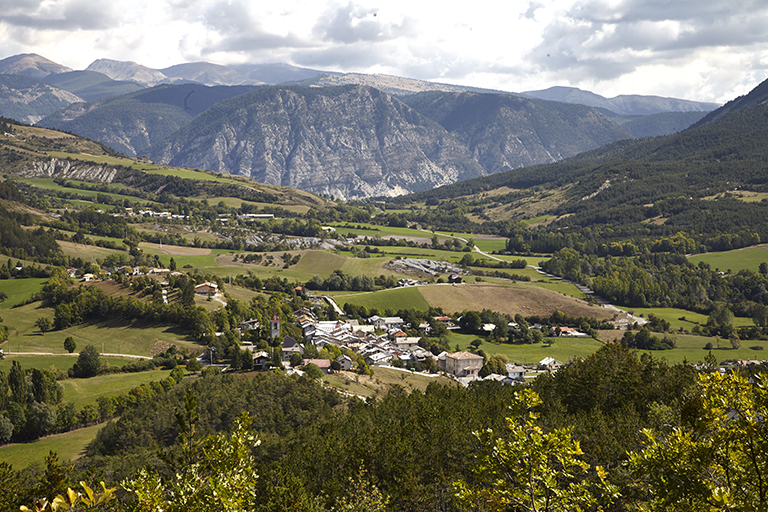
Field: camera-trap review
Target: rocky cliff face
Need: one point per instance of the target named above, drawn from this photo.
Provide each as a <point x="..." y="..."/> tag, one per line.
<point x="506" y="132"/>
<point x="71" y="170"/>
<point x="348" y="142"/>
<point x="28" y="100"/>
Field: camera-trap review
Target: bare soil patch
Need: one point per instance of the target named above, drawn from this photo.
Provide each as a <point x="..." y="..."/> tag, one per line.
<point x="176" y="250"/>
<point x="512" y="300"/>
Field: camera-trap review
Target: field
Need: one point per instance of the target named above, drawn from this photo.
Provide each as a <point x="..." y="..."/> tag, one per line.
<point x="562" y="349"/>
<point x="112" y="337"/>
<point x="381" y="381"/>
<point x="673" y="316"/>
<point x="748" y="258"/>
<point x="61" y="362"/>
<point x="87" y="391"/>
<point x="69" y="446"/>
<point x="511" y="299"/>
<point x="396" y="299"/>
<point x="18" y="291"/>
<point x="104" y="159"/>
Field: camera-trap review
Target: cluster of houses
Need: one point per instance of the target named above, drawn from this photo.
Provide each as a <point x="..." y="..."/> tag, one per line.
<point x="380" y="343"/>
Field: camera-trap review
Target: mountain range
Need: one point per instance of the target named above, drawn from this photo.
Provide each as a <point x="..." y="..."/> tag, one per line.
<point x="668" y="182"/>
<point x="362" y="135"/>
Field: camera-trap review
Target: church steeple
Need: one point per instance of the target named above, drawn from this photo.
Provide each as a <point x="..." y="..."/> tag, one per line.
<point x="274" y="326"/>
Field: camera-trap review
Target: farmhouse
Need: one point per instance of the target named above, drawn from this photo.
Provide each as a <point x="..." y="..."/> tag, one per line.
<point x="207" y="288"/>
<point x="461" y="364"/>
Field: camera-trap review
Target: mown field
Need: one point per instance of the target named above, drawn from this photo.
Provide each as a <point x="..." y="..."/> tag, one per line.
<point x="62" y="362"/>
<point x="562" y="349"/>
<point x="87" y="391"/>
<point x="69" y="446"/>
<point x="112" y="337"/>
<point x="396" y="299"/>
<point x="748" y="258"/>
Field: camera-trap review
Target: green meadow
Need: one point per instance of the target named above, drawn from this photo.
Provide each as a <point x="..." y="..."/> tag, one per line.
<point x="18" y="291"/>
<point x="395" y="299"/>
<point x="86" y="391"/>
<point x="69" y="446"/>
<point x="748" y="258"/>
<point x="674" y="316"/>
<point x="562" y="349"/>
<point x="62" y="362"/>
<point x="105" y="159"/>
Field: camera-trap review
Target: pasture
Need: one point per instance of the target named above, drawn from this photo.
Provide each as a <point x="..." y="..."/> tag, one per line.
<point x="394" y="300"/>
<point x="748" y="258"/>
<point x="69" y="446"/>
<point x="562" y="349"/>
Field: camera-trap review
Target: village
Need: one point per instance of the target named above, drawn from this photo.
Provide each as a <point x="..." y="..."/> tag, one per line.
<point x="382" y="342"/>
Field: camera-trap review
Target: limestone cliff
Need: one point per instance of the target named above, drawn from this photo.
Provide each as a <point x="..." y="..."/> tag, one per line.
<point x="348" y="142"/>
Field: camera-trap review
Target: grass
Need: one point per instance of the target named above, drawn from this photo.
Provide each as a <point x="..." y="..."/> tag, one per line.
<point x="69" y="446"/>
<point x="690" y="348"/>
<point x="49" y="184"/>
<point x="87" y="391"/>
<point x="381" y="382"/>
<point x="563" y="349"/>
<point x="395" y="299"/>
<point x="61" y="362"/>
<point x="87" y="252"/>
<point x="673" y="316"/>
<point x="105" y="159"/>
<point x="19" y="290"/>
<point x="114" y="336"/>
<point x="748" y="258"/>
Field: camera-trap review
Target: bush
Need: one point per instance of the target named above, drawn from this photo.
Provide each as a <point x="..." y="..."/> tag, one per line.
<point x="194" y="365"/>
<point x="69" y="344"/>
<point x="88" y="363"/>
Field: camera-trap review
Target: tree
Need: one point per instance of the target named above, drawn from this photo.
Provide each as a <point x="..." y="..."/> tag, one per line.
<point x="69" y="344"/>
<point x="194" y="365"/>
<point x="18" y="384"/>
<point x="215" y="473"/>
<point x="88" y="363"/>
<point x="172" y="264"/>
<point x="313" y="371"/>
<point x="525" y="468"/>
<point x="296" y="359"/>
<point x="43" y="324"/>
<point x="718" y="463"/>
<point x="471" y="322"/>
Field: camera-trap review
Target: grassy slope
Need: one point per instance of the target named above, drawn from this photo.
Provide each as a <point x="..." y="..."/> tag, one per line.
<point x="748" y="258"/>
<point x="69" y="446"/>
<point x="87" y="391"/>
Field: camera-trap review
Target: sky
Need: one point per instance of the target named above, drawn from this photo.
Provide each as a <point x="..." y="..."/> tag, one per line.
<point x="704" y="50"/>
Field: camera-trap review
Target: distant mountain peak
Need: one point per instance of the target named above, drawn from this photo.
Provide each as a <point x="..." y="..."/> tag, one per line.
<point x="127" y="70"/>
<point x="31" y="65"/>
<point x="626" y="105"/>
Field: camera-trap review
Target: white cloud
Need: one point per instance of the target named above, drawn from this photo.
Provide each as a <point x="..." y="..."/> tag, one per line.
<point x="697" y="49"/>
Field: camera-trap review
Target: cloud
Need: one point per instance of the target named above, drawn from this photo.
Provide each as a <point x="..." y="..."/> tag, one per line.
<point x="601" y="40"/>
<point x="65" y="15"/>
<point x="352" y="23"/>
<point x="530" y="14"/>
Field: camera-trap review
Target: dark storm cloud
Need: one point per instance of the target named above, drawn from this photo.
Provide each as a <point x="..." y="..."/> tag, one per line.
<point x="352" y="24"/>
<point x="73" y="15"/>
